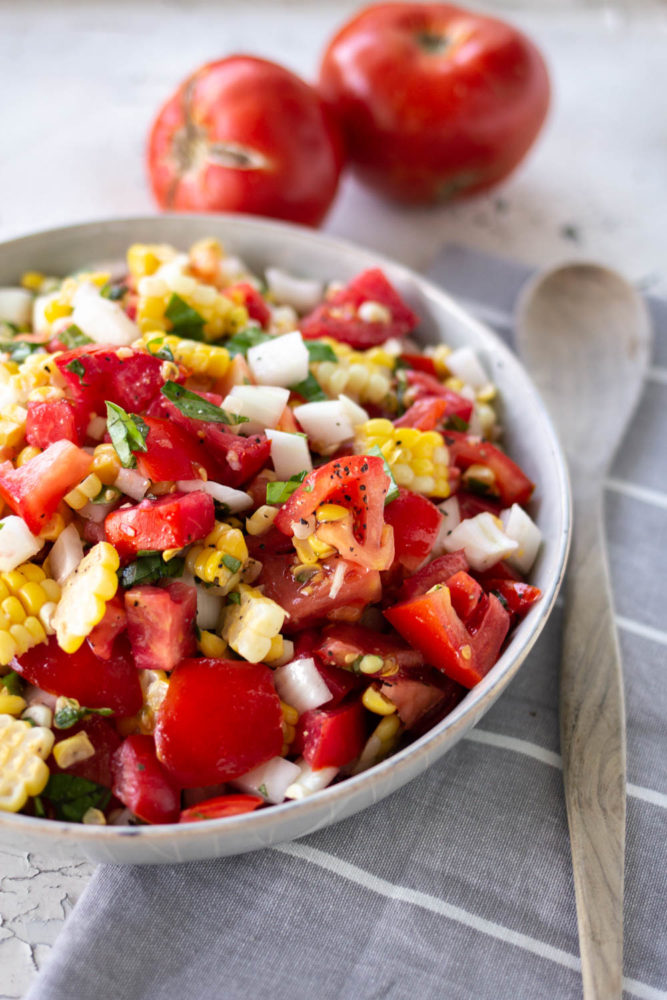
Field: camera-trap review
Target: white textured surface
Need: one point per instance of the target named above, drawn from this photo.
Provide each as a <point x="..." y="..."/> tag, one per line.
<point x="80" y="84"/>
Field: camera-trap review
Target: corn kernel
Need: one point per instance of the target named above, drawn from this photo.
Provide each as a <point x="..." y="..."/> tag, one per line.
<point x="210" y="644"/>
<point x="73" y="750"/>
<point x="375" y="702"/>
<point x="94" y="817"/>
<point x="220" y="558"/>
<point x="11" y="704"/>
<point x="85" y="595"/>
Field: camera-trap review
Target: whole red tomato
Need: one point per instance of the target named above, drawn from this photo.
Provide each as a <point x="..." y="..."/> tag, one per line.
<point x="434" y="101"/>
<point x="245" y="135"/>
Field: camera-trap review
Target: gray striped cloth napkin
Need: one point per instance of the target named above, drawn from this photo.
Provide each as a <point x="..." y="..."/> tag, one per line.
<point x="458" y="886"/>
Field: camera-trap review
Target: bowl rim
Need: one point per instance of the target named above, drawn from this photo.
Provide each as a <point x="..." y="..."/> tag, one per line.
<point x="474" y="703"/>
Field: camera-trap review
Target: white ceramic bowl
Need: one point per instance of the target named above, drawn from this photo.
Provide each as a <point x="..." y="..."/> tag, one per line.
<point x="530" y="439"/>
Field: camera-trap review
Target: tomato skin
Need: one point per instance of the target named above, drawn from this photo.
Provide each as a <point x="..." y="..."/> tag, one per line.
<point x="425" y="414"/>
<point x="466" y="594"/>
<point x="142" y="783"/>
<point x="161" y="624"/>
<point x="95" y="683"/>
<point x="338" y="317"/>
<point x="172" y="453"/>
<point x="434" y="572"/>
<point x="512" y="483"/>
<point x="223" y="805"/>
<point x="423" y="385"/>
<point x="258" y="140"/>
<point x="219" y="719"/>
<point x="105" y="740"/>
<point x="332" y="737"/>
<point x="101" y="639"/>
<point x="434" y="101"/>
<point x="518" y="596"/>
<point x="171" y="522"/>
<point x="35" y="489"/>
<point x="55" y="420"/>
<point x="245" y="294"/>
<point x="343" y="643"/>
<point x="416" y="523"/>
<point x="131" y="381"/>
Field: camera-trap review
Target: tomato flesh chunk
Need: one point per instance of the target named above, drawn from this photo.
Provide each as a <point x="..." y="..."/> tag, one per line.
<point x="132" y="381"/>
<point x="161" y="624"/>
<point x="35" y="489"/>
<point x="416" y="523"/>
<point x="142" y="783"/>
<point x="101" y="639"/>
<point x="332" y="737"/>
<point x="53" y="420"/>
<point x="433" y="573"/>
<point x="171" y="522"/>
<point x="219" y="719"/>
<point x="172" y="454"/>
<point x="223" y="805"/>
<point x="511" y="482"/>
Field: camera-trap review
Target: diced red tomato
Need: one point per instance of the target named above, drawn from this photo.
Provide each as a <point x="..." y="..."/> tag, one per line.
<point x="131" y="381"/>
<point x="423" y="386"/>
<point x="358" y="483"/>
<point x="105" y="740"/>
<point x="172" y="453"/>
<point x="223" y="805"/>
<point x="171" y="522"/>
<point x="338" y="316"/>
<point x="310" y="601"/>
<point x="466" y="594"/>
<point x="332" y="737"/>
<point x="56" y="420"/>
<point x="416" y="523"/>
<point x="103" y="636"/>
<point x="343" y="644"/>
<point x="518" y="596"/>
<point x="420" y="363"/>
<point x="287" y="422"/>
<point x="434" y="572"/>
<point x="431" y="624"/>
<point x="471" y="504"/>
<point x="340" y="682"/>
<point x="245" y="294"/>
<point x="413" y="699"/>
<point x="111" y="683"/>
<point x="161" y="624"/>
<point x="219" y="719"/>
<point x="142" y="783"/>
<point x="499" y="571"/>
<point x="425" y="415"/>
<point x="35" y="489"/>
<point x="512" y="484"/>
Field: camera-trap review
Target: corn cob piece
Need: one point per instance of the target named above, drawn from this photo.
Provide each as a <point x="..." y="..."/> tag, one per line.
<point x="201" y="359"/>
<point x="252" y="626"/>
<point x="220" y="558"/>
<point x="23" y="750"/>
<point x="418" y="459"/>
<point x="221" y="316"/>
<point x="28" y="602"/>
<point x="364" y="376"/>
<point x="85" y="595"/>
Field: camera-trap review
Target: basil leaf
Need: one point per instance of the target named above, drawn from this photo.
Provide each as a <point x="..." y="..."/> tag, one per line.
<point x="38" y="806"/>
<point x="310" y="389"/>
<point x="128" y="433"/>
<point x="319" y="351"/>
<point x="77" y="368"/>
<point x="198" y="408"/>
<point x="113" y="292"/>
<point x="244" y="339"/>
<point x="185" y="321"/>
<point x="19" y="350"/>
<point x="392" y="492"/>
<point x="234" y="597"/>
<point x="279" y="492"/>
<point x="73" y="797"/>
<point x="13" y="682"/>
<point x="456" y="423"/>
<point x="148" y="568"/>
<point x="232" y="563"/>
<point x="73" y="336"/>
<point x="164" y="351"/>
<point x="69" y="715"/>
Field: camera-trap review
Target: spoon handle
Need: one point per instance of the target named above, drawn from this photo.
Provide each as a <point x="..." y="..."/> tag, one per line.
<point x="592" y="716"/>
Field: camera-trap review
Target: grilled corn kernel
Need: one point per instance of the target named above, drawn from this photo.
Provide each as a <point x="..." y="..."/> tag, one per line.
<point x="381" y="742"/>
<point x="94" y="817"/>
<point x="375" y="702"/>
<point x="12" y="425"/>
<point x="54" y="527"/>
<point x="23" y="750"/>
<point x="220" y="558"/>
<point x="24" y="594"/>
<point x="210" y="644"/>
<point x="364" y="376"/>
<point x="85" y="595"/>
<point x="26" y="454"/>
<point x="220" y="316"/>
<point x="260" y="522"/>
<point x="201" y="359"/>
<point x="32" y="280"/>
<point x="418" y="459"/>
<point x="84" y="492"/>
<point x="11" y="704"/>
<point x="251" y="626"/>
<point x="331" y="512"/>
<point x="144" y="259"/>
<point x="73" y="750"/>
<point x="106" y="464"/>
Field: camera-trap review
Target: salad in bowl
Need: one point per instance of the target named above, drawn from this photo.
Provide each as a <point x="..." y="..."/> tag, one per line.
<point x="254" y="537"/>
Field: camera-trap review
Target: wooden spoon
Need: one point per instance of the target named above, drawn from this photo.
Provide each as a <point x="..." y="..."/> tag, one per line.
<point x="584" y="334"/>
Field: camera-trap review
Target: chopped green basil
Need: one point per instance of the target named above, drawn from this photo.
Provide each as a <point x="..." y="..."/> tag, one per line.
<point x="38" y="806"/>
<point x="392" y="492"/>
<point x="164" y="351"/>
<point x="13" y="682"/>
<point x="245" y="339"/>
<point x="73" y="336"/>
<point x="222" y="510"/>
<point x="69" y="715"/>
<point x="310" y="389"/>
<point x="232" y="563"/>
<point x="106" y="495"/>
<point x="150" y="567"/>
<point x="19" y="350"/>
<point x="262" y="790"/>
<point x="456" y="423"/>
<point x="279" y="492"/>
<point x="501" y="598"/>
<point x="113" y="292"/>
<point x="185" y="321"/>
<point x="77" y="368"/>
<point x="319" y="351"/>
<point x="128" y="433"/>
<point x="234" y="597"/>
<point x="477" y="486"/>
<point x="198" y="408"/>
<point x="73" y="797"/>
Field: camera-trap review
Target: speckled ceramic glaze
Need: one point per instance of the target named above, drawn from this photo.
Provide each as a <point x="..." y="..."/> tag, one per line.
<point x="530" y="439"/>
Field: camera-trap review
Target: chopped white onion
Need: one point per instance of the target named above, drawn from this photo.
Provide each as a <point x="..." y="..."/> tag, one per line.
<point x="338" y="578"/>
<point x="451" y="513"/>
<point x="17" y="543"/>
<point x="15" y="306"/>
<point x="326" y="423"/>
<point x="40" y="715"/>
<point x="40" y="323"/>
<point x="96" y="428"/>
<point x="281" y="361"/>
<point x="304" y="527"/>
<point x="236" y="500"/>
<point x="290" y="453"/>
<point x="270" y="780"/>
<point x="357" y="414"/>
<point x="172" y="268"/>
<point x="303" y="294"/>
<point x="233" y="269"/>
<point x="261" y="404"/>
<point x="96" y="512"/>
<point x="464" y="364"/>
<point x="103" y="320"/>
<point x="66" y="554"/>
<point x="300" y="684"/>
<point x="209" y="607"/>
<point x="522" y="529"/>
<point x="310" y="781"/>
<point x="483" y="541"/>
<point x="132" y="483"/>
